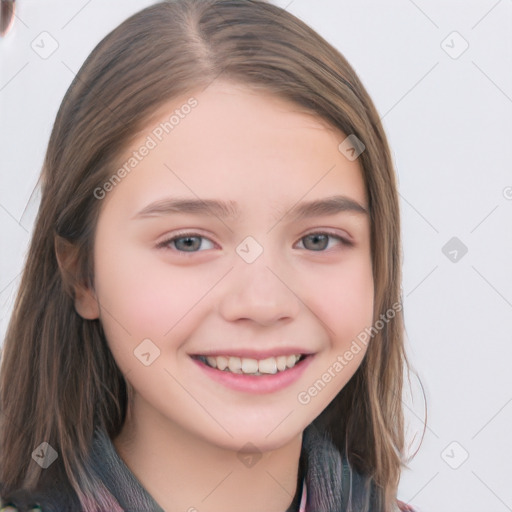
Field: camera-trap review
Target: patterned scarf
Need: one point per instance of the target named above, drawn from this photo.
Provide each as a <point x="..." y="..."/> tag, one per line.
<point x="329" y="484"/>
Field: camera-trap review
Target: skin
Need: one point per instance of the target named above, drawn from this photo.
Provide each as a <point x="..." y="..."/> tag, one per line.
<point x="184" y="430"/>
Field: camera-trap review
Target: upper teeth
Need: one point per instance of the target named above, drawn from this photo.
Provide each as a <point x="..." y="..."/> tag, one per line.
<point x="252" y="366"/>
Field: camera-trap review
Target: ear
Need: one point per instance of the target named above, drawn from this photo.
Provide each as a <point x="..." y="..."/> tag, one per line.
<point x="85" y="301"/>
<point x="86" y="304"/>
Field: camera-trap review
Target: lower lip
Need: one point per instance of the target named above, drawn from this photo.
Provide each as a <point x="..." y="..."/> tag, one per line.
<point x="258" y="384"/>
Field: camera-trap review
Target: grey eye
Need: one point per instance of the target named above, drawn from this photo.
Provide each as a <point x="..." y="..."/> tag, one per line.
<point x="316" y="241"/>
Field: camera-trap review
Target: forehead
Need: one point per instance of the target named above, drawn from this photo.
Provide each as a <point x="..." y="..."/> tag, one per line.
<point x="239" y="144"/>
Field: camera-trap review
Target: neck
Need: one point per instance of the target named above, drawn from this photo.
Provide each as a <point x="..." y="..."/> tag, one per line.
<point x="184" y="472"/>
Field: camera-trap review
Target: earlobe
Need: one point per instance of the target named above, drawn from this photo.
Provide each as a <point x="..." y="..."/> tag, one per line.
<point x="85" y="301"/>
<point x="86" y="304"/>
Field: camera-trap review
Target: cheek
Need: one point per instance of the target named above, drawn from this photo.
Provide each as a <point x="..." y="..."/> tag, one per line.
<point x="345" y="295"/>
<point x="143" y="296"/>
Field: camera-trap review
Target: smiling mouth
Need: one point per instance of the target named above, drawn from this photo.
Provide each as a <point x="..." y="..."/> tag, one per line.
<point x="250" y="366"/>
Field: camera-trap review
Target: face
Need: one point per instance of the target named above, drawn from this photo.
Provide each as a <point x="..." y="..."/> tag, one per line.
<point x="239" y="238"/>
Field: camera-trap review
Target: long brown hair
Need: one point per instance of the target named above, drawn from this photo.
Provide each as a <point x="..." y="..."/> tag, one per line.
<point x="58" y="379"/>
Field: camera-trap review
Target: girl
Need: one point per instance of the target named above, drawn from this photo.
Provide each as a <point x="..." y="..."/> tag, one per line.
<point x="210" y="315"/>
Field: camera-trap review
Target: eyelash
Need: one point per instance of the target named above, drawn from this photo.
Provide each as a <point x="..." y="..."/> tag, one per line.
<point x="165" y="244"/>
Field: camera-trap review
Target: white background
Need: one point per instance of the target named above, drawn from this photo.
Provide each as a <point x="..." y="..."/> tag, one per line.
<point x="449" y="122"/>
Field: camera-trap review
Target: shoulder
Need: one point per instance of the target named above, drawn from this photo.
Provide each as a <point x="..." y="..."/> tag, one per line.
<point x="27" y="501"/>
<point x="9" y="507"/>
<point x="21" y="501"/>
<point x="51" y="495"/>
<point x="18" y="501"/>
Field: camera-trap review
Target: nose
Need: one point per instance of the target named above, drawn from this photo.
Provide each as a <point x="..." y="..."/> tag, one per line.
<point x="258" y="293"/>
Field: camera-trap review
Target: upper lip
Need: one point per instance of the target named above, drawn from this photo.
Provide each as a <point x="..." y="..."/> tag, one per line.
<point x="254" y="354"/>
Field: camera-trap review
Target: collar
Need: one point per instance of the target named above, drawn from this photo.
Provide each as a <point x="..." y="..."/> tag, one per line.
<point x="117" y="477"/>
<point x="122" y="484"/>
<point x="302" y="506"/>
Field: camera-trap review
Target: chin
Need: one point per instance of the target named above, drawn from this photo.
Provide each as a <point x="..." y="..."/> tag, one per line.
<point x="264" y="435"/>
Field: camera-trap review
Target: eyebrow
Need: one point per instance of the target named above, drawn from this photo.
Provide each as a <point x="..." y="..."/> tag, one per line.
<point x="229" y="209"/>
